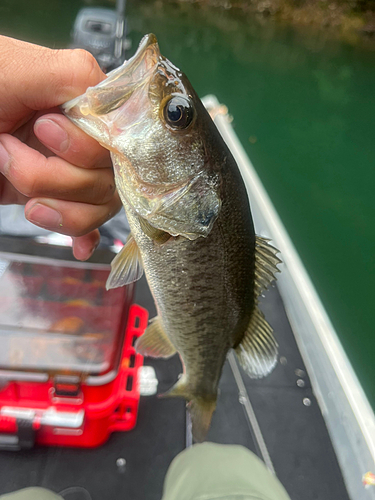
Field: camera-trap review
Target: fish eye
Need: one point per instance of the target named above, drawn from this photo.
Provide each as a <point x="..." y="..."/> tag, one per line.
<point x="179" y="112"/>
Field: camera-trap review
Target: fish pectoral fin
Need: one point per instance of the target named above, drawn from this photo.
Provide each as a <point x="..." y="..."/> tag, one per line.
<point x="257" y="352"/>
<point x="154" y="342"/>
<point x="152" y="232"/>
<point x="266" y="261"/>
<point x="200" y="408"/>
<point x="126" y="267"/>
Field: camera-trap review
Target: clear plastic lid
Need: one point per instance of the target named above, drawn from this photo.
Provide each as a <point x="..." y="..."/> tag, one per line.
<point x="57" y="317"/>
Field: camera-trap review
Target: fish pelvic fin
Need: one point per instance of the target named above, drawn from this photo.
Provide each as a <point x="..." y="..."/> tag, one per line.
<point x="126" y="267"/>
<point x="201" y="408"/>
<point x="257" y="352"/>
<point x="155" y="342"/>
<point x="266" y="261"/>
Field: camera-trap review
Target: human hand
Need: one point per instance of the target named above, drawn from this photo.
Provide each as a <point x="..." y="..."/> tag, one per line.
<point x="62" y="176"/>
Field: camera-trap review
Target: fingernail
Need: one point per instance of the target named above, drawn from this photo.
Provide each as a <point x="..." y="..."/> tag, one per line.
<point x="94" y="247"/>
<point x="44" y="216"/>
<point x="80" y="251"/>
<point x="52" y="135"/>
<point x="4" y="159"/>
<point x="90" y="252"/>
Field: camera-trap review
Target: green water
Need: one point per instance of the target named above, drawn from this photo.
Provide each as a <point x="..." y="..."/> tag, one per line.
<point x="308" y="106"/>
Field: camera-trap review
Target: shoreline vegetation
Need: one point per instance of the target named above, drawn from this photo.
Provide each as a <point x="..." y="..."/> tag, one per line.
<point x="352" y="21"/>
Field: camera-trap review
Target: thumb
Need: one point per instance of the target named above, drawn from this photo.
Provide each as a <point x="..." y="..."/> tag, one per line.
<point x="35" y="78"/>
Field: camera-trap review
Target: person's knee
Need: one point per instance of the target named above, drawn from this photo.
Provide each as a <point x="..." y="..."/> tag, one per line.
<point x="34" y="493"/>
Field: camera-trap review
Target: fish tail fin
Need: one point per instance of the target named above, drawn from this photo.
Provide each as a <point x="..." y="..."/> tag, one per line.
<point x="257" y="352"/>
<point x="201" y="408"/>
<point x="201" y="411"/>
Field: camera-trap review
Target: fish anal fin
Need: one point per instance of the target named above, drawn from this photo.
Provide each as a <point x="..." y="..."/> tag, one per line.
<point x="126" y="267"/>
<point x="154" y="342"/>
<point x="266" y="261"/>
<point x="179" y="390"/>
<point x="257" y="352"/>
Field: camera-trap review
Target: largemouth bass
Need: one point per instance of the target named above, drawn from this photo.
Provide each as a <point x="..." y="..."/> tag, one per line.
<point x="191" y="225"/>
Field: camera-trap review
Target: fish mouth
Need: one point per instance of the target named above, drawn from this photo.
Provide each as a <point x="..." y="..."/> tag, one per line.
<point x="92" y="111"/>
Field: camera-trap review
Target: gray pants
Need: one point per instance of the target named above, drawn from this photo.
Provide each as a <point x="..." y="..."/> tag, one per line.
<point x="206" y="471"/>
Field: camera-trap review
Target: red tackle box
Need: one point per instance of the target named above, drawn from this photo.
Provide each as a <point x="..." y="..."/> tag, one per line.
<point x="69" y="373"/>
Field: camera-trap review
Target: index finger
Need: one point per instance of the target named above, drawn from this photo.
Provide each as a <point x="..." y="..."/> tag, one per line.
<point x="50" y="77"/>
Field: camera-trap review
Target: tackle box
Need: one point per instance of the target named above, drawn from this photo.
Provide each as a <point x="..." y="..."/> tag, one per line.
<point x="69" y="373"/>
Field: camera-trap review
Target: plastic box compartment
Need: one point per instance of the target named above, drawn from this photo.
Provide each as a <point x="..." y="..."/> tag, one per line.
<point x="69" y="374"/>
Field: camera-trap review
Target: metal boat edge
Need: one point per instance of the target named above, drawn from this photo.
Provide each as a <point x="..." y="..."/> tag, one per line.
<point x="347" y="412"/>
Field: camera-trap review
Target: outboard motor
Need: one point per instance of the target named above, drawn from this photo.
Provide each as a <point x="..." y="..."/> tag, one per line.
<point x="103" y="33"/>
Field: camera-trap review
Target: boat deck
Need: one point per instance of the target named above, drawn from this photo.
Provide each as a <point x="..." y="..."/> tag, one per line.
<point x="278" y="418"/>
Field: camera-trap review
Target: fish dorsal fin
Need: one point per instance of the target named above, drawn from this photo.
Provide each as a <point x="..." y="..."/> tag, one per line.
<point x="152" y="232"/>
<point x="266" y="261"/>
<point x="154" y="342"/>
<point x="126" y="267"/>
<point x="257" y="352"/>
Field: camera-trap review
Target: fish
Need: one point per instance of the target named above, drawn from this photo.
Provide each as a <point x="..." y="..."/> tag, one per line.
<point x="192" y="231"/>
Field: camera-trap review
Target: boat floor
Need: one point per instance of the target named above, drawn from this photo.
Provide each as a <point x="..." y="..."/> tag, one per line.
<point x="290" y="423"/>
